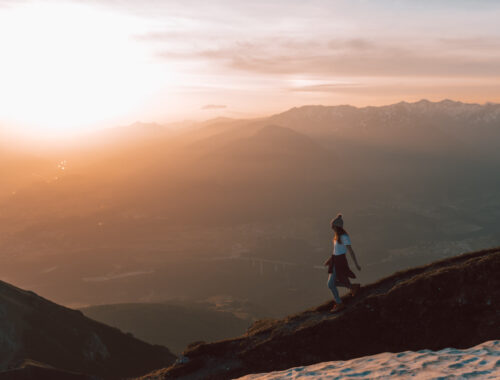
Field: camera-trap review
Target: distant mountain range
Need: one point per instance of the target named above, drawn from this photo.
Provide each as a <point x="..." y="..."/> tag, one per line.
<point x="403" y="114"/>
<point x="155" y="212"/>
<point x="268" y="142"/>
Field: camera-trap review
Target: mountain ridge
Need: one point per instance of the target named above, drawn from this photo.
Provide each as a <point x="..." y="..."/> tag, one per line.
<point x="271" y="140"/>
<point x="323" y="119"/>
<point x="35" y="329"/>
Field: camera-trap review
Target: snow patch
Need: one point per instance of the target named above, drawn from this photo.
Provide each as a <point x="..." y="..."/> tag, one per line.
<point x="479" y="362"/>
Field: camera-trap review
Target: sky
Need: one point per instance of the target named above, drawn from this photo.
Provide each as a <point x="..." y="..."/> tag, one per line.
<point x="75" y="65"/>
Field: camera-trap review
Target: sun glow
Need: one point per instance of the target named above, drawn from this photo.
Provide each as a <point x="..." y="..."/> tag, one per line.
<point x="66" y="68"/>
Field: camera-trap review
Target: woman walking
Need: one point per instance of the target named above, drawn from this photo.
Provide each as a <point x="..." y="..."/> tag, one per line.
<point x="338" y="269"/>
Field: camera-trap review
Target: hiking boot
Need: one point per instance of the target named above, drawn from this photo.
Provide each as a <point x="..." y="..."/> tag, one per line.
<point x="355" y="289"/>
<point x="337" y="307"/>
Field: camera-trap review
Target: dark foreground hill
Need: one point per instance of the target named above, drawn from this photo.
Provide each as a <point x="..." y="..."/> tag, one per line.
<point x="450" y="303"/>
<point x="34" y="329"/>
<point x="30" y="370"/>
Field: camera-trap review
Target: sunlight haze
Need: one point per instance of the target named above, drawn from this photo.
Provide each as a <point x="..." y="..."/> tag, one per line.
<point x="72" y="66"/>
<point x="195" y="189"/>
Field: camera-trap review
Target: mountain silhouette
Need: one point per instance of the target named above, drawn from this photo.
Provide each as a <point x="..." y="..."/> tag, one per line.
<point x="35" y="329"/>
<point x="271" y="142"/>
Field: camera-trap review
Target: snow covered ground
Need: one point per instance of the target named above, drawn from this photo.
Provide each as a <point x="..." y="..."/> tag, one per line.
<point x="479" y="362"/>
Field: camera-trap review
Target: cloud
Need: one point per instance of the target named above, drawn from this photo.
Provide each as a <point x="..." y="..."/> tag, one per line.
<point x="351" y="44"/>
<point x="353" y="57"/>
<point x="417" y="89"/>
<point x="383" y="64"/>
<point x="472" y="43"/>
<point x="10" y="3"/>
<point x="329" y="87"/>
<point x="213" y="106"/>
<point x="162" y="36"/>
<point x="326" y="38"/>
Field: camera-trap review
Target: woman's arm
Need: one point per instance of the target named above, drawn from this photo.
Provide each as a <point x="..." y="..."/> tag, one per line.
<point x="327" y="262"/>
<point x="351" y="251"/>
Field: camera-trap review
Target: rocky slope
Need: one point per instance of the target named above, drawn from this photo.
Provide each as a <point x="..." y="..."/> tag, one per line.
<point x="32" y="328"/>
<point x="450" y="303"/>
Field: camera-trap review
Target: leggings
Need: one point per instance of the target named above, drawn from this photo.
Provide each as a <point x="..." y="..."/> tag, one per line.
<point x="332" y="284"/>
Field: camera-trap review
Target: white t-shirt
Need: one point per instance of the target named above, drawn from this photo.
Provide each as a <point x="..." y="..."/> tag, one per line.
<point x="339" y="248"/>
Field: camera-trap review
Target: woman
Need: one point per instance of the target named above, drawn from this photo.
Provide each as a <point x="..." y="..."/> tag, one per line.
<point x="337" y="264"/>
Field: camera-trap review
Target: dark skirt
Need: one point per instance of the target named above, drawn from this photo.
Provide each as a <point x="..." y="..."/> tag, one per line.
<point x="342" y="269"/>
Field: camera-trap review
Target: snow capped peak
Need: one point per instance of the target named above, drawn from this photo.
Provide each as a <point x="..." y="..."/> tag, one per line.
<point x="445" y="113"/>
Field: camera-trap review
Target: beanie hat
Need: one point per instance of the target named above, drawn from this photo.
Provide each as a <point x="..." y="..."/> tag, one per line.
<point x="338" y="222"/>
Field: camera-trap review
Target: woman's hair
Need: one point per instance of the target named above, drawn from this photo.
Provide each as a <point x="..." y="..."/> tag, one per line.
<point x="339" y="231"/>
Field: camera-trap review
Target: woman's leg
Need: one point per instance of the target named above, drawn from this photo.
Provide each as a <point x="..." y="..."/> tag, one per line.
<point x="354" y="287"/>
<point x="346" y="284"/>
<point x="333" y="288"/>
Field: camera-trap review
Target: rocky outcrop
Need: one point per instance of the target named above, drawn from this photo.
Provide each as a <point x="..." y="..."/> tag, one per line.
<point x="33" y="328"/>
<point x="450" y="303"/>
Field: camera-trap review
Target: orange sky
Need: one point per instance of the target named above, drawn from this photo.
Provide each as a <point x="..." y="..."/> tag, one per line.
<point x="70" y="66"/>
